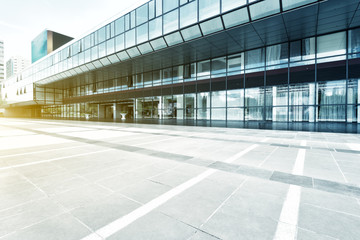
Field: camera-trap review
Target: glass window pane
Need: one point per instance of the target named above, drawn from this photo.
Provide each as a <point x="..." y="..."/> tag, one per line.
<point x="169" y="5"/>
<point x="158" y="7"/>
<point x="133" y="19"/>
<point x="288" y="4"/>
<point x="331" y="92"/>
<point x="254" y="97"/>
<point x="127" y="21"/>
<point x="264" y="8"/>
<point x="151" y="9"/>
<point x="236" y="18"/>
<point x="332" y="44"/>
<point x="308" y="48"/>
<point x="145" y="48"/>
<point x="188" y="14"/>
<point x="203" y="68"/>
<point x="203" y="105"/>
<point x="354" y="41"/>
<point x="142" y="33"/>
<point x="277" y="54"/>
<point x="218" y="66"/>
<point x="208" y="8"/>
<point x="130" y="38"/>
<point x="102" y="50"/>
<point x="231" y="4"/>
<point x="141" y="14"/>
<point x="171" y="21"/>
<point x="110" y="46"/>
<point x="218" y="114"/>
<point x="191" y="33"/>
<point x="155" y="28"/>
<point x="158" y="43"/>
<point x="235" y="114"/>
<point x="254" y="58"/>
<point x="211" y="26"/>
<point x="119" y="42"/>
<point x="119" y="26"/>
<point x="235" y="98"/>
<point x="218" y="99"/>
<point x="174" y="38"/>
<point x="101" y="34"/>
<point x="235" y="62"/>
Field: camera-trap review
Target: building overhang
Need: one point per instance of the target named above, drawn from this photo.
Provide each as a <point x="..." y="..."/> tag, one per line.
<point x="314" y="19"/>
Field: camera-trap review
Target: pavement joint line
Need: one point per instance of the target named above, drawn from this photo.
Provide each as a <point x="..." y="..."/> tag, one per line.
<point x="126" y="220"/>
<point x="41" y="151"/>
<point x="288" y="221"/>
<point x="114" y="128"/>
<point x="51" y="160"/>
<point x="337" y="165"/>
<point x="332" y="210"/>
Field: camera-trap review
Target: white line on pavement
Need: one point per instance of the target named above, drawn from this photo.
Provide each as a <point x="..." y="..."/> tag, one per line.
<point x="52" y="160"/>
<point x="287" y="225"/>
<point x="124" y="221"/>
<point x="42" y="151"/>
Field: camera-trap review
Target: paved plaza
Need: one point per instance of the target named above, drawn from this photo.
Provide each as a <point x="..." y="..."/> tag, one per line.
<point x="91" y="181"/>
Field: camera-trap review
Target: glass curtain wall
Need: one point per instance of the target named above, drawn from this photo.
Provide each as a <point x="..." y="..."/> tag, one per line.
<point x="309" y="80"/>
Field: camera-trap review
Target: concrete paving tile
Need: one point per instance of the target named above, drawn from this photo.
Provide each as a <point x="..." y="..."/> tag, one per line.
<point x="145" y="191"/>
<point x="200" y="235"/>
<point x="303" y="234"/>
<point x="81" y="196"/>
<point x="343" y="226"/>
<point x="19" y="217"/>
<point x="63" y="227"/>
<point x="332" y="201"/>
<point x="104" y="211"/>
<point x="245" y="216"/>
<point x="121" y="181"/>
<point x="200" y="200"/>
<point x="155" y="226"/>
<point x="336" y="187"/>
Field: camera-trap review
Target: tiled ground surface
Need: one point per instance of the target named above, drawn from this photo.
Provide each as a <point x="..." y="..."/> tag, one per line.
<point x="85" y="180"/>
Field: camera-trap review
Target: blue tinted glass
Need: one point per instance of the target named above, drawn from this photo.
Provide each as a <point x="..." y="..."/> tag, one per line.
<point x="208" y="8"/>
<point x="171" y="21"/>
<point x="141" y="14"/>
<point x="119" y="26"/>
<point x="169" y="5"/>
<point x="155" y="28"/>
<point x="188" y="14"/>
<point x="142" y="33"/>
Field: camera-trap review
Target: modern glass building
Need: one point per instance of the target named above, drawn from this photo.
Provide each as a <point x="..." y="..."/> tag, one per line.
<point x="270" y="63"/>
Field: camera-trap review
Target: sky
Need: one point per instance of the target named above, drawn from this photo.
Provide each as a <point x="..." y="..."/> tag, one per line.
<point x="22" y="20"/>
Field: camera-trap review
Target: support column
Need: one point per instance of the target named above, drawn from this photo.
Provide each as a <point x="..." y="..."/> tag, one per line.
<point x="101" y="111"/>
<point x="114" y="111"/>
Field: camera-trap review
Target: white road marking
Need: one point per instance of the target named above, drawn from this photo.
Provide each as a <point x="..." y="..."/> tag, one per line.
<point x="52" y="160"/>
<point x="42" y="151"/>
<point x="287" y="225"/>
<point x="354" y="146"/>
<point x="126" y="220"/>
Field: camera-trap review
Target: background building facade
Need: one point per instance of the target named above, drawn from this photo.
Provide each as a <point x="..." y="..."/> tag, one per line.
<point x="16" y="65"/>
<point x="47" y="42"/>
<point x="206" y="62"/>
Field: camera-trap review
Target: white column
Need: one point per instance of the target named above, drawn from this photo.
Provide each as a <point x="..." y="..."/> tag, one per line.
<point x="311" y="102"/>
<point x="114" y="111"/>
<point x="274" y="90"/>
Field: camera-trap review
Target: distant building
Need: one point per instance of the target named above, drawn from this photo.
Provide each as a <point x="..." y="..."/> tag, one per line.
<point x="2" y="74"/>
<point x="15" y="65"/>
<point x="46" y="42"/>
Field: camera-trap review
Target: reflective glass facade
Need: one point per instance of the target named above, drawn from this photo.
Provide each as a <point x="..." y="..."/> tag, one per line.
<point x="303" y="79"/>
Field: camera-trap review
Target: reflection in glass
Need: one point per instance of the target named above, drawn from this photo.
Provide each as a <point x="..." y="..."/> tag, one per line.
<point x="211" y="26"/>
<point x="288" y="4"/>
<point x="119" y="43"/>
<point x="218" y="66"/>
<point x="208" y="8"/>
<point x="141" y="14"/>
<point x="191" y="33"/>
<point x="188" y="14"/>
<point x="264" y="8"/>
<point x="236" y="17"/>
<point x="142" y="33"/>
<point x="254" y="58"/>
<point x="169" y="5"/>
<point x="130" y="38"/>
<point x="354" y="40"/>
<point x="235" y="114"/>
<point x="235" y="63"/>
<point x="331" y="92"/>
<point x="170" y="21"/>
<point x="203" y="105"/>
<point x="331" y="44"/>
<point x="190" y="105"/>
<point x="203" y="69"/>
<point x="277" y="54"/>
<point x="218" y="99"/>
<point x="155" y="28"/>
<point x="231" y="4"/>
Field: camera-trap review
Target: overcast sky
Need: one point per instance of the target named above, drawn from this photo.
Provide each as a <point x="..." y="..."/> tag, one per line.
<point x="22" y="20"/>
